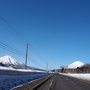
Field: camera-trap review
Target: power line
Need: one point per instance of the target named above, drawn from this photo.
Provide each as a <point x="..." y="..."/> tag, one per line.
<point x="19" y="35"/>
<point x="35" y="62"/>
<point x="13" y="29"/>
<point x="10" y="49"/>
<point x="1" y="46"/>
<point x="14" y="49"/>
<point x="34" y="49"/>
<point x="6" y="29"/>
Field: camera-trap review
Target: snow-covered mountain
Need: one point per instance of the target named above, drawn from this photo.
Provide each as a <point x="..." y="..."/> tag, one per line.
<point x="10" y="62"/>
<point x="75" y="65"/>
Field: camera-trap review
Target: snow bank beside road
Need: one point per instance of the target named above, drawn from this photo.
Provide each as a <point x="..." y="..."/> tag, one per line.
<point x="80" y="76"/>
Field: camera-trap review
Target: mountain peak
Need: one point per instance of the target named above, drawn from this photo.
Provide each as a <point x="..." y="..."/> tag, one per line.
<point x="75" y="64"/>
<point x="8" y="57"/>
<point x="9" y="61"/>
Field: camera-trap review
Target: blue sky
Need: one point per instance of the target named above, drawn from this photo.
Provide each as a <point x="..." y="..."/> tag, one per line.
<point x="59" y="30"/>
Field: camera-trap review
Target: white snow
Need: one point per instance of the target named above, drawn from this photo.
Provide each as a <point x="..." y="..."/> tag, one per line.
<point x="6" y="68"/>
<point x="11" y="64"/>
<point x="7" y="60"/>
<point x="80" y="76"/>
<point x="75" y="65"/>
<point x="21" y="70"/>
<point x="28" y="70"/>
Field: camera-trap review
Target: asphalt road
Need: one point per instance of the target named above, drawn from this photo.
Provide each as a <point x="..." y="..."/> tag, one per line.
<point x="61" y="82"/>
<point x="57" y="82"/>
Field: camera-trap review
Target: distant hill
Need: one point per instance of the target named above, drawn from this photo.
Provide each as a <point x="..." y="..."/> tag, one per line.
<point x="75" y="65"/>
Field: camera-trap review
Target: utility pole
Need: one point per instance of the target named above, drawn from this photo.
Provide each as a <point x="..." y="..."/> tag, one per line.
<point x="47" y="67"/>
<point x="26" y="56"/>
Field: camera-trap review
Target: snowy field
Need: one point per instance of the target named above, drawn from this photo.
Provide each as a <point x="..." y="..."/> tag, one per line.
<point x="12" y="71"/>
<point x="9" y="81"/>
<point x="22" y="70"/>
<point x="80" y="76"/>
